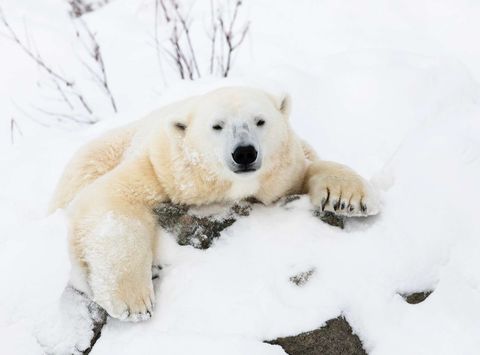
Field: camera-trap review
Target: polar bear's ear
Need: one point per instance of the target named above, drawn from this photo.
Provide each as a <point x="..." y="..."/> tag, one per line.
<point x="285" y="104"/>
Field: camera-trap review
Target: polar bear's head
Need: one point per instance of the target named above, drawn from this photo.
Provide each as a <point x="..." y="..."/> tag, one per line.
<point x="235" y="135"/>
<point x="238" y="128"/>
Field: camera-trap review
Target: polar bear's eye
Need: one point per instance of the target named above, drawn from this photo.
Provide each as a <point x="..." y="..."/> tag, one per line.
<point x="217" y="127"/>
<point x="260" y="123"/>
<point x="180" y="126"/>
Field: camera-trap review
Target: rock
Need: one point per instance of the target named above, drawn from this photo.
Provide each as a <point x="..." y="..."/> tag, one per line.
<point x="330" y="218"/>
<point x="417" y="297"/>
<point x="198" y="227"/>
<point x="302" y="278"/>
<point x="73" y="327"/>
<point x="335" y="338"/>
<point x="325" y="216"/>
<point x="99" y="319"/>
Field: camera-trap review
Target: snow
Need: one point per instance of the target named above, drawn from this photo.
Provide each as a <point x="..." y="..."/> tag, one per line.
<point x="387" y="87"/>
<point x="70" y="324"/>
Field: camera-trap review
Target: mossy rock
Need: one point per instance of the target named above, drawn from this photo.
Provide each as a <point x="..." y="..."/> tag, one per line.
<point x="335" y="338"/>
<point x="199" y="227"/>
<point x="416" y="297"/>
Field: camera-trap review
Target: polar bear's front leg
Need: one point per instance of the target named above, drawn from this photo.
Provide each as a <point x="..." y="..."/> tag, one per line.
<point x="117" y="251"/>
<point x="336" y="188"/>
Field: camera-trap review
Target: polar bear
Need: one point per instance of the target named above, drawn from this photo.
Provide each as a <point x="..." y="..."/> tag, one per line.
<point x="226" y="145"/>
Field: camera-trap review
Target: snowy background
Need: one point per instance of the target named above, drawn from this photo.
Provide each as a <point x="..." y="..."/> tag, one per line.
<point x="389" y="87"/>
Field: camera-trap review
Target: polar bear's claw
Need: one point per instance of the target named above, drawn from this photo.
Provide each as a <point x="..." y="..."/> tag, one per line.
<point x="343" y="192"/>
<point x="131" y="301"/>
<point x="132" y="313"/>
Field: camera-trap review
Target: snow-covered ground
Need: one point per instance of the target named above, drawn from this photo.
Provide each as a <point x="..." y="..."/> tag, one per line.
<point x="390" y="88"/>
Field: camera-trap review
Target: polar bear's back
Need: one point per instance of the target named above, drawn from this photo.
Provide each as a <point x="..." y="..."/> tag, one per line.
<point x="93" y="160"/>
<point x="103" y="154"/>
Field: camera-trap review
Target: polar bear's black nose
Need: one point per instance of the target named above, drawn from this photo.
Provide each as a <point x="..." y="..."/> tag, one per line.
<point x="244" y="155"/>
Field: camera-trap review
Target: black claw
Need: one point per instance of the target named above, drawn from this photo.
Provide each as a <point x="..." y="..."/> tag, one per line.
<point x="325" y="200"/>
<point x="336" y="206"/>
<point x="324" y="203"/>
<point x="350" y="208"/>
<point x="363" y="206"/>
<point x="342" y="206"/>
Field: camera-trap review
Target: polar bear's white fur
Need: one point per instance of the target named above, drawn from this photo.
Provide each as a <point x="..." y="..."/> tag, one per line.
<point x="189" y="152"/>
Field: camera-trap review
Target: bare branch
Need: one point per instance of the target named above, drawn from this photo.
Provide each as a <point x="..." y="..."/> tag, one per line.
<point x="229" y="37"/>
<point x="32" y="55"/>
<point x="213" y="37"/>
<point x="181" y="41"/>
<point x="29" y="115"/>
<point x="178" y="52"/>
<point x="186" y="29"/>
<point x="174" y="41"/>
<point x="242" y="36"/>
<point x="63" y="85"/>
<point x="14" y="127"/>
<point x="65" y="116"/>
<point x="79" y="8"/>
<point x="156" y="38"/>
<point x="235" y="14"/>
<point x="95" y="54"/>
<point x="165" y="11"/>
<point x="62" y="94"/>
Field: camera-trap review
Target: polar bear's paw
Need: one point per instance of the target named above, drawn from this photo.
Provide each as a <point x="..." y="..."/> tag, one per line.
<point x="129" y="302"/>
<point x="344" y="193"/>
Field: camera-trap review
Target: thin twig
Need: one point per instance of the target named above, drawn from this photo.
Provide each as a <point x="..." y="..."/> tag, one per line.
<point x="14" y="127"/>
<point x="30" y="116"/>
<point x="229" y="36"/>
<point x="79" y="8"/>
<point x="157" y="40"/>
<point x="213" y="37"/>
<point x="36" y="58"/>
<point x="65" y="116"/>
<point x="180" y="59"/>
<point x="96" y="55"/>
<point x="62" y="94"/>
<point x="62" y="84"/>
<point x="186" y="29"/>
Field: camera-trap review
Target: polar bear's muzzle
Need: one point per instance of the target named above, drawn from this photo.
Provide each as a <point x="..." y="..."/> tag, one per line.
<point x="245" y="158"/>
<point x="245" y="152"/>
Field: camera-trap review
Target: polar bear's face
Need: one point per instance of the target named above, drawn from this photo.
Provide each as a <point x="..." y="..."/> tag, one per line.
<point x="238" y="131"/>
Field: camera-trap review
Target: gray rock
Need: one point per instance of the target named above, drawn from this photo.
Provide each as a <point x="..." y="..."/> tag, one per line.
<point x="302" y="278"/>
<point x="74" y="328"/>
<point x="335" y="338"/>
<point x="195" y="227"/>
<point x="99" y="319"/>
<point x="330" y="218"/>
<point x="417" y="297"/>
<point x="199" y="228"/>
